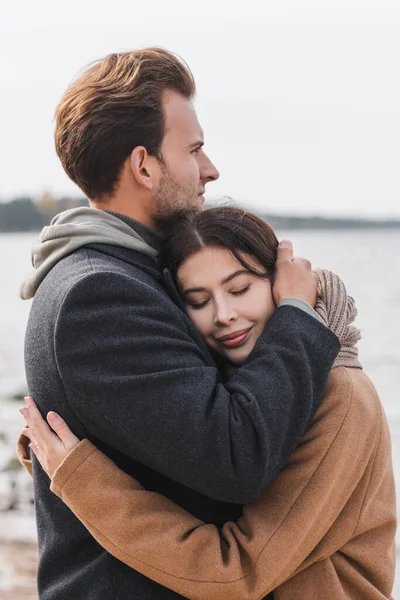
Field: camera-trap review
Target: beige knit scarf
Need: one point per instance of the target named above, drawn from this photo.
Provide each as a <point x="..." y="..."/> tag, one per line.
<point x="337" y="310"/>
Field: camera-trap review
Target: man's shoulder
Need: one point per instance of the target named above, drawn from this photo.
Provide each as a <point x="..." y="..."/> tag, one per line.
<point x="98" y="268"/>
<point x="89" y="282"/>
<point x="105" y="258"/>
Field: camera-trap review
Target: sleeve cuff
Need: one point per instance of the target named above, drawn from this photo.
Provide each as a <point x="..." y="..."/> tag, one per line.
<point x="23" y="453"/>
<point x="70" y="464"/>
<point x="297" y="303"/>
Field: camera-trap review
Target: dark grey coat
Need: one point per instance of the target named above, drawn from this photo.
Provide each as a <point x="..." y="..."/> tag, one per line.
<point x="109" y="349"/>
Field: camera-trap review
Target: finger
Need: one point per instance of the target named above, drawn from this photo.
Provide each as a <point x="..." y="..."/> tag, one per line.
<point x="39" y="428"/>
<point x="34" y="448"/>
<point x="34" y="430"/>
<point x="61" y="428"/>
<point x="24" y="412"/>
<point x="41" y="458"/>
<point x="27" y="432"/>
<point x="37" y="452"/>
<point x="285" y="251"/>
<point x="304" y="262"/>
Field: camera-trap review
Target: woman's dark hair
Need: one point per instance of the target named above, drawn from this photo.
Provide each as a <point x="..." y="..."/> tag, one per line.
<point x="227" y="227"/>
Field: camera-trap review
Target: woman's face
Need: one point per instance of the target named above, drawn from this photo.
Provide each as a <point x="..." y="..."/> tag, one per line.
<point x="228" y="305"/>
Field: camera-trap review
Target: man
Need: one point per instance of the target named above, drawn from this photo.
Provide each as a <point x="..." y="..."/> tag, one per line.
<point x="109" y="347"/>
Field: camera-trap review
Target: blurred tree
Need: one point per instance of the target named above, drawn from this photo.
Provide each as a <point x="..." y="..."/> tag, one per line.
<point x="47" y="206"/>
<point x="20" y="214"/>
<point x="68" y="203"/>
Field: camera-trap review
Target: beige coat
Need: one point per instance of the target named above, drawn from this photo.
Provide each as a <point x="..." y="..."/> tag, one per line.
<point x="323" y="529"/>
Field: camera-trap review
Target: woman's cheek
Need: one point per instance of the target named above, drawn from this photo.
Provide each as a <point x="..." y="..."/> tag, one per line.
<point x="262" y="304"/>
<point x="198" y="319"/>
<point x="271" y="308"/>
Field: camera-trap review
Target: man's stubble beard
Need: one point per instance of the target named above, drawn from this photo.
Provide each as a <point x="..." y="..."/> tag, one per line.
<point x="173" y="198"/>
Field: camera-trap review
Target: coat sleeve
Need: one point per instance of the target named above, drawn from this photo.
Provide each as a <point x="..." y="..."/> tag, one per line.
<point x="138" y="383"/>
<point x="269" y="544"/>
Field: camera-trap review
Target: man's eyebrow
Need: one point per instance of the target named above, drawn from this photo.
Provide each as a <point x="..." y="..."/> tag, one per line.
<point x="198" y="144"/>
<point x="226" y="280"/>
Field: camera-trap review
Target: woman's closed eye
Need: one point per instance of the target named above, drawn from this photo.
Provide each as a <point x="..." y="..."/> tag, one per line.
<point x="241" y="292"/>
<point x="199" y="305"/>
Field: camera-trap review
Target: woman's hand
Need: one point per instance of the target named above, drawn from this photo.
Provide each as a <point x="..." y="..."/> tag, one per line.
<point x="50" y="445"/>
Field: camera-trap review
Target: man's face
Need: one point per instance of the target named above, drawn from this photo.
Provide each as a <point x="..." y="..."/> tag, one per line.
<point x="186" y="169"/>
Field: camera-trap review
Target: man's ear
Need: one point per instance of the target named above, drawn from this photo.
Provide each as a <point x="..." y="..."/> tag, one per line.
<point x="143" y="167"/>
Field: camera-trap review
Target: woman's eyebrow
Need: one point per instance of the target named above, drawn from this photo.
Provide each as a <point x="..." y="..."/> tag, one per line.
<point x="226" y="280"/>
<point x="190" y="290"/>
<point x="235" y="274"/>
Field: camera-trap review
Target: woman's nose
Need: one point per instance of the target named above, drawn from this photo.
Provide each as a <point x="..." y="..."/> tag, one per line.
<point x="224" y="314"/>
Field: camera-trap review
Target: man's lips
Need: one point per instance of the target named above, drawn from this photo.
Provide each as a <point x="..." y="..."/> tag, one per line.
<point x="236" y="338"/>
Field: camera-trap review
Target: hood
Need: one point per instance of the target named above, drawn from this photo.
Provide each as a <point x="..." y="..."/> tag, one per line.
<point x="73" y="229"/>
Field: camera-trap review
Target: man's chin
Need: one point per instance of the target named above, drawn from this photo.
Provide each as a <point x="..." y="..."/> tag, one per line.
<point x="165" y="224"/>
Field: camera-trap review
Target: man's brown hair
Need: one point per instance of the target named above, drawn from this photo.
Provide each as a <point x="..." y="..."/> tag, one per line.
<point x="112" y="107"/>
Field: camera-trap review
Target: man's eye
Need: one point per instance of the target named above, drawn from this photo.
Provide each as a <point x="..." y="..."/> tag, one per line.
<point x="196" y="150"/>
<point x="199" y="306"/>
<point x="241" y="292"/>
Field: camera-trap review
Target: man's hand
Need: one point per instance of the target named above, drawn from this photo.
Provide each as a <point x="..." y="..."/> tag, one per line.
<point x="294" y="277"/>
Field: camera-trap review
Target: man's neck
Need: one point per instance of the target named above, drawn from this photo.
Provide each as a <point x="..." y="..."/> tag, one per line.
<point x="124" y="204"/>
<point x="151" y="237"/>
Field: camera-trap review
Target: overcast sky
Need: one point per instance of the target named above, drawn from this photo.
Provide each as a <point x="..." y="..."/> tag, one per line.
<point x="299" y="100"/>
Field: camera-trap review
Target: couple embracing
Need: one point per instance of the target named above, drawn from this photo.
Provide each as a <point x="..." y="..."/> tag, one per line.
<point x="210" y="431"/>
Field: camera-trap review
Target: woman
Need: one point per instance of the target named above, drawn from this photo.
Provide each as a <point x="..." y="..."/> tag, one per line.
<point x="324" y="527"/>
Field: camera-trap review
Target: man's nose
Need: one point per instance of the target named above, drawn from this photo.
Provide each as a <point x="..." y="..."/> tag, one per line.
<point x="208" y="170"/>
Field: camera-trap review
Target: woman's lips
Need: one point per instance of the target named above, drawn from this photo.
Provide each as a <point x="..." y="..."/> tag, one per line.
<point x="235" y="339"/>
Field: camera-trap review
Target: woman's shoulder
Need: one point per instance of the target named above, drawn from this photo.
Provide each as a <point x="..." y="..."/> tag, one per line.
<point x="352" y="389"/>
<point x="348" y="425"/>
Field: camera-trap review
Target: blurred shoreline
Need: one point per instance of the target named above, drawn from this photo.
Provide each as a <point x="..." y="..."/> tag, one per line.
<point x="31" y="214"/>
